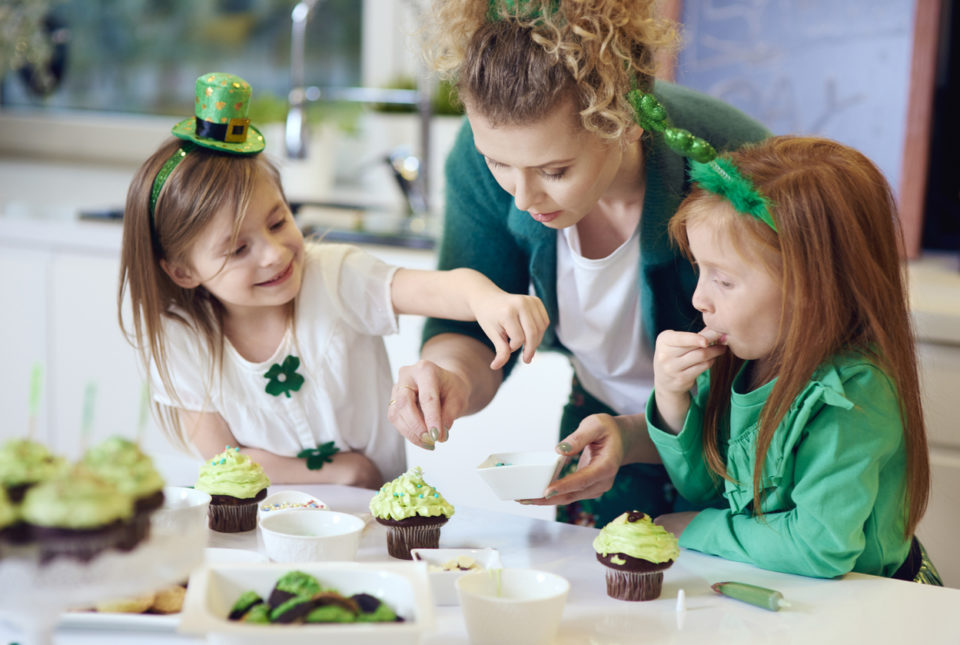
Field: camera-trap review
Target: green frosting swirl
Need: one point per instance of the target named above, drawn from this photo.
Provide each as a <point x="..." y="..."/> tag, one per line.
<point x="75" y="499"/>
<point x="232" y="473"/>
<point x="408" y="496"/>
<point x="8" y="512"/>
<point x="120" y="462"/>
<point x="23" y="461"/>
<point x="640" y="538"/>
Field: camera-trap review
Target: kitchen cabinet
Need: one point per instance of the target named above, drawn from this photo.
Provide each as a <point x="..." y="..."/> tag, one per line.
<point x="935" y="302"/>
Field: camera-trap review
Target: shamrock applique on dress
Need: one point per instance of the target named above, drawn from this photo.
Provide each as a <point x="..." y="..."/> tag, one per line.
<point x="283" y="378"/>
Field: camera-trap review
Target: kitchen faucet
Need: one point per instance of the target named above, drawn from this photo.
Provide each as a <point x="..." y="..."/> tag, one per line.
<point x="411" y="172"/>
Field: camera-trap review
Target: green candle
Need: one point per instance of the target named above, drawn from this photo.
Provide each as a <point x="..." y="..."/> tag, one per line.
<point x="86" y="425"/>
<point x="33" y="403"/>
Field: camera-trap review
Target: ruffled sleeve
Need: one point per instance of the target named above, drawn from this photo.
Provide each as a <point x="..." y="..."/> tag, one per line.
<point x="823" y="490"/>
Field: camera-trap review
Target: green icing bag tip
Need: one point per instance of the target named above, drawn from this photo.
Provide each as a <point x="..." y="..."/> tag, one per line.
<point x="759" y="596"/>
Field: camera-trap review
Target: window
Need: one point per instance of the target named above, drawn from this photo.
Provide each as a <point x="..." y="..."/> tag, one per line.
<point x="143" y="56"/>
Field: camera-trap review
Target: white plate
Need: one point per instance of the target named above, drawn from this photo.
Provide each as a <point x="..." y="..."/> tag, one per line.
<point x="151" y="622"/>
<point x="135" y="622"/>
<point x="213" y="555"/>
<point x="287" y="500"/>
<point x="402" y="585"/>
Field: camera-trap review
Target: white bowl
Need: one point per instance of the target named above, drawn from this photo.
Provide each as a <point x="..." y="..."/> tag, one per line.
<point x="520" y="475"/>
<point x="512" y="606"/>
<point x="309" y="536"/>
<point x="288" y="500"/>
<point x="442" y="581"/>
<point x="184" y="511"/>
<point x="402" y="585"/>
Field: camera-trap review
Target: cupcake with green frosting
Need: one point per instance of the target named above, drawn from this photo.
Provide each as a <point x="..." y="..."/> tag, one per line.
<point x="9" y="517"/>
<point x="413" y="512"/>
<point x="76" y="514"/>
<point x="235" y="483"/>
<point x="120" y="462"/>
<point x="24" y="463"/>
<point x="635" y="552"/>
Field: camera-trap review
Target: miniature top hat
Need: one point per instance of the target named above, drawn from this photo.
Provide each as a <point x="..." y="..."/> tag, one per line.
<point x="220" y="121"/>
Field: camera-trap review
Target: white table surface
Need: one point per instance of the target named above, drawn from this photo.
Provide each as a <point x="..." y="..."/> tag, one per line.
<point x="853" y="608"/>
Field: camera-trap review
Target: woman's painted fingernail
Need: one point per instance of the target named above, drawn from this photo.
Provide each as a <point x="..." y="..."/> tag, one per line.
<point x="434" y="434"/>
<point x="565" y="447"/>
<point x="427" y="441"/>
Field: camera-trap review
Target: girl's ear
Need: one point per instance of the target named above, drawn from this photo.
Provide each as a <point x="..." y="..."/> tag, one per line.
<point x="181" y="275"/>
<point x="633" y="133"/>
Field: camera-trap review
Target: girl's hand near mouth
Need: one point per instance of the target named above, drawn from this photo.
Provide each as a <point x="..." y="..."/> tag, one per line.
<point x="678" y="359"/>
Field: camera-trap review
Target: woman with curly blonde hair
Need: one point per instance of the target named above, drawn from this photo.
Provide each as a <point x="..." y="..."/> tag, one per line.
<point x="558" y="185"/>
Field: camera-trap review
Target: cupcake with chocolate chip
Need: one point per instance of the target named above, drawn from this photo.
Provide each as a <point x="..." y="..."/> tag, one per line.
<point x="235" y="484"/>
<point x="635" y="552"/>
<point x="413" y="512"/>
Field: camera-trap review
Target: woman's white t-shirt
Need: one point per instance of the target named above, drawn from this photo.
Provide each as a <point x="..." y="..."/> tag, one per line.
<point x="343" y="310"/>
<point x="599" y="322"/>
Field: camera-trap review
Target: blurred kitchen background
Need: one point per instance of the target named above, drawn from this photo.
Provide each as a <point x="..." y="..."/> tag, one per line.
<point x="88" y="89"/>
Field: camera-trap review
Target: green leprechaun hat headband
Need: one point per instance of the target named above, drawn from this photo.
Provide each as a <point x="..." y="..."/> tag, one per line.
<point x="220" y="123"/>
<point x="713" y="173"/>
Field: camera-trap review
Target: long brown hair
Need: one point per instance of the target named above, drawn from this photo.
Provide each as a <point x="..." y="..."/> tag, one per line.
<point x="202" y="184"/>
<point x="840" y="248"/>
<point x="514" y="61"/>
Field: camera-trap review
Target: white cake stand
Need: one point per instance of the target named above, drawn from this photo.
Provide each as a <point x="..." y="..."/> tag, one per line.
<point x="34" y="594"/>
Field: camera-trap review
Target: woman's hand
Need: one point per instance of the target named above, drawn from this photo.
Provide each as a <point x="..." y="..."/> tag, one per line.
<point x="600" y="444"/>
<point x="605" y="443"/>
<point x="425" y="401"/>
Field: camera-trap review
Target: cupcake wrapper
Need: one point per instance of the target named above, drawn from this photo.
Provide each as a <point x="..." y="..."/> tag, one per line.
<point x="79" y="545"/>
<point x="232" y="518"/>
<point x="135" y="531"/>
<point x="633" y="585"/>
<point x="400" y="539"/>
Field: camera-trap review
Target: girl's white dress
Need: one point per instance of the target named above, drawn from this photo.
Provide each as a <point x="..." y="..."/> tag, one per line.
<point x="343" y="311"/>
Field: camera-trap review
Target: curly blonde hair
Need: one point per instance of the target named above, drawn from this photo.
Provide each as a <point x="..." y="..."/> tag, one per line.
<point x="514" y="60"/>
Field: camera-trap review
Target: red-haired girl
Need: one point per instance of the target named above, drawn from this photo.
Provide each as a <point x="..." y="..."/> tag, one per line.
<point x="798" y="402"/>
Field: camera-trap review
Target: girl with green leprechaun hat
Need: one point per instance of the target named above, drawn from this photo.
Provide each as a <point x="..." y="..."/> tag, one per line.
<point x="798" y="401"/>
<point x="256" y="338"/>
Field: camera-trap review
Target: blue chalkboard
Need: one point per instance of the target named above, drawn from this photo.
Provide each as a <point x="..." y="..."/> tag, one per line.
<point x="832" y="68"/>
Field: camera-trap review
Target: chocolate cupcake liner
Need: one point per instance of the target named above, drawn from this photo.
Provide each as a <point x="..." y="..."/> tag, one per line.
<point x="77" y="544"/>
<point x="229" y="514"/>
<point x="634" y="585"/>
<point x="421" y="533"/>
<point x="135" y="531"/>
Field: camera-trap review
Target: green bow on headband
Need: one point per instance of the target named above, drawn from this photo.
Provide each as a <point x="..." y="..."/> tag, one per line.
<point x="715" y="174"/>
<point x="519" y="8"/>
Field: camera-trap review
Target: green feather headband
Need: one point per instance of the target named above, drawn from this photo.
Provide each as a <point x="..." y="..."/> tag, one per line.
<point x="715" y="174"/>
<point x="721" y="177"/>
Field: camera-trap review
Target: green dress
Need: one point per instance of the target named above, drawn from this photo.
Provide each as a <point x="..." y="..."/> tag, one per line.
<point x="833" y="479"/>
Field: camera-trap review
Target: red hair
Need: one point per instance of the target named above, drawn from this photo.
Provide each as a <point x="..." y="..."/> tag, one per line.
<point x="839" y="244"/>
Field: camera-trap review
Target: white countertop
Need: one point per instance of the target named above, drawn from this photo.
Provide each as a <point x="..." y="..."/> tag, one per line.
<point x="850" y="609"/>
